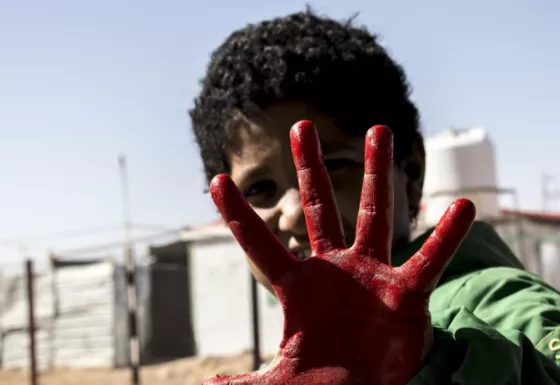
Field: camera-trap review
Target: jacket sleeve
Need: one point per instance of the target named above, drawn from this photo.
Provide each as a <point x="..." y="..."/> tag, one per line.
<point x="502" y="327"/>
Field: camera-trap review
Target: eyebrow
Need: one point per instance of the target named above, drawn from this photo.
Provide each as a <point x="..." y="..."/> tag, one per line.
<point x="253" y="173"/>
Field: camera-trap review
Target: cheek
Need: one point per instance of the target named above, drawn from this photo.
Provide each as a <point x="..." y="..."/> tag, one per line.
<point x="348" y="190"/>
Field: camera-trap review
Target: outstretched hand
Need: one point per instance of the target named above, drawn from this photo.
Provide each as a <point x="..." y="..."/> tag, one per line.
<point x="350" y="317"/>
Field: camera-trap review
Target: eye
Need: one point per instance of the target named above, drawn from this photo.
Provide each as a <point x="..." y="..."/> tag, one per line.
<point x="337" y="164"/>
<point x="261" y="192"/>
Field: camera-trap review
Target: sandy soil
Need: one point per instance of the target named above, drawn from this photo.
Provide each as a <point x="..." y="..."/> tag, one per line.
<point x="190" y="371"/>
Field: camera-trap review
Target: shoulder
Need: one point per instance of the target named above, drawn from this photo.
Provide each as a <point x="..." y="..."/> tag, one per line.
<point x="505" y="298"/>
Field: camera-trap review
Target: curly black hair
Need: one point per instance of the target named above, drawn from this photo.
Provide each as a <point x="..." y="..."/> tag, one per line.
<point x="340" y="70"/>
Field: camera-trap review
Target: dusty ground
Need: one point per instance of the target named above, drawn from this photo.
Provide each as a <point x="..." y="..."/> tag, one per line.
<point x="190" y="371"/>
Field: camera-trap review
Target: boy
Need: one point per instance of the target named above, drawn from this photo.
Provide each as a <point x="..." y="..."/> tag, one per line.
<point x="492" y="322"/>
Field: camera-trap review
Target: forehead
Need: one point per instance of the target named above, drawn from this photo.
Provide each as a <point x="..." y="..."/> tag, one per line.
<point x="268" y="132"/>
<point x="264" y="138"/>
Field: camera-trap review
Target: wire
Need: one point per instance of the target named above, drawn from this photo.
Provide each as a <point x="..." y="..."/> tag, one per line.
<point x="16" y="241"/>
<point x="65" y="234"/>
<point x="118" y="244"/>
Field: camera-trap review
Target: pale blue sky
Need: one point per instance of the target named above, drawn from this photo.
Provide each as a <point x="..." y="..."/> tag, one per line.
<point x="82" y="81"/>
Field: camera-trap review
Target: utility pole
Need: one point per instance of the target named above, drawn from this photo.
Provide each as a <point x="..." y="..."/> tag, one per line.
<point x="125" y="200"/>
<point x="132" y="293"/>
<point x="30" y="278"/>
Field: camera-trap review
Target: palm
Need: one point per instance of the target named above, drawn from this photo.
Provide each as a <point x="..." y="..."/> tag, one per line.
<point x="350" y="317"/>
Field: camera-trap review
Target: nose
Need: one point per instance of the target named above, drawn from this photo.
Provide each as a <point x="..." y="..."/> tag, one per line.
<point x="292" y="219"/>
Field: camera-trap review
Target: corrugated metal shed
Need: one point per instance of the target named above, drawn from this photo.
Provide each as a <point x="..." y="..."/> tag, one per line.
<point x="75" y="315"/>
<point x="84" y="326"/>
<point x="80" y="317"/>
<point x="13" y="321"/>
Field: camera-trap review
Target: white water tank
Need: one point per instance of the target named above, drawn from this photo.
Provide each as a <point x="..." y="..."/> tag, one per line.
<point x="460" y="164"/>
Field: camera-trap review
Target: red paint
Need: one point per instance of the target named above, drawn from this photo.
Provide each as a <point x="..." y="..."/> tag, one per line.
<point x="350" y="318"/>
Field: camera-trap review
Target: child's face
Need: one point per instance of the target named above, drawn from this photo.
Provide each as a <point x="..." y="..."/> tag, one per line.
<point x="264" y="171"/>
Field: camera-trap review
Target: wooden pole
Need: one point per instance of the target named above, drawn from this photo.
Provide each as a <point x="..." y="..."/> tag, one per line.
<point x="54" y="293"/>
<point x="31" y="328"/>
<point x="132" y="297"/>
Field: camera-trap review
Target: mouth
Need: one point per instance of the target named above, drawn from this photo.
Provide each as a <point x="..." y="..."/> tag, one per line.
<point x="302" y="255"/>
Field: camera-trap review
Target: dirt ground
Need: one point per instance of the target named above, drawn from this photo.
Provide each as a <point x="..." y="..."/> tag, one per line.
<point x="191" y="371"/>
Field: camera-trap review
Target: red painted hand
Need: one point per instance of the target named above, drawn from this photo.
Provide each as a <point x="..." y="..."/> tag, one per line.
<point x="350" y="317"/>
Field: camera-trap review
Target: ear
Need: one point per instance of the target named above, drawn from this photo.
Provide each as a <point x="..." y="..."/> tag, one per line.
<point x="414" y="167"/>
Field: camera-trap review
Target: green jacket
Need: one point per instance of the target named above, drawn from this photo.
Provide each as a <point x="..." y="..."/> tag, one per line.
<point x="495" y="323"/>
